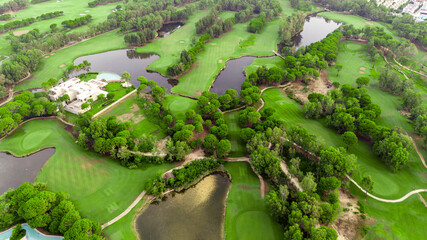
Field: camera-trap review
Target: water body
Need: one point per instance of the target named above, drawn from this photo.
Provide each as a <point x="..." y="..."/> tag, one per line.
<point x="32" y="234"/>
<point x="315" y="29"/>
<point x="129" y="60"/>
<point x="197" y="213"/>
<point x="16" y="170"/>
<point x="169" y="28"/>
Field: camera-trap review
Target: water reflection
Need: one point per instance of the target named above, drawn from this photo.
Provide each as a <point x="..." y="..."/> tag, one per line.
<point x="197" y="213"/>
<point x="16" y="170"/>
<point x="315" y="29"/>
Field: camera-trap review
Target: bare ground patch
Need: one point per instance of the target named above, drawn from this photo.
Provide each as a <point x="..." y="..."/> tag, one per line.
<point x="320" y="85"/>
<point x="369" y="23"/>
<point x="62" y="65"/>
<point x="131" y="116"/>
<point x="349" y="223"/>
<point x="198" y="154"/>
<point x="20" y="32"/>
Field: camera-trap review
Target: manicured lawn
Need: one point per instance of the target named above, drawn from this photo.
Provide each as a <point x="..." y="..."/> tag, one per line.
<point x="118" y="91"/>
<point x="51" y="66"/>
<point x="179" y="105"/>
<point x="170" y="47"/>
<point x="99" y="186"/>
<point x="246" y="215"/>
<point x="238" y="148"/>
<point x="129" y="110"/>
<point x="218" y="51"/>
<point x="123" y="229"/>
<point x="357" y="21"/>
<point x="88" y="76"/>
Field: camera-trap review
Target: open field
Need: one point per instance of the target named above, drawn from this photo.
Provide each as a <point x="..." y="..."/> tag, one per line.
<point x="129" y="111"/>
<point x="238" y="149"/>
<point x="246" y="215"/>
<point x="218" y="51"/>
<point x="357" y="21"/>
<point x="50" y="67"/>
<point x="178" y="105"/>
<point x="169" y="48"/>
<point x="405" y="220"/>
<point x="100" y="187"/>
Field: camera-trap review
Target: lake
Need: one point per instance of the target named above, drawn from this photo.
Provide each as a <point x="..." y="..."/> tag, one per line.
<point x="126" y="60"/>
<point x="197" y="213"/>
<point x="16" y="170"/>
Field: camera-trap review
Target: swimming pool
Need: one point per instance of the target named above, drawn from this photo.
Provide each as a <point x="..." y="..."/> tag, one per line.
<point x="32" y="234"/>
<point x="109" y="76"/>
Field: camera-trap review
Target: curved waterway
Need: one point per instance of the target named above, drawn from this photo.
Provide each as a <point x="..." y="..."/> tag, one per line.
<point x="16" y="170"/>
<point x="232" y="76"/>
<point x="126" y="60"/>
<point x="198" y="213"/>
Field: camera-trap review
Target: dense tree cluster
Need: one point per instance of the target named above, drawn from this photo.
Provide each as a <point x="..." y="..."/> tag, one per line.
<point x="191" y="172"/>
<point x="40" y="208"/>
<point x="350" y="109"/>
<point x="290" y="26"/>
<point x="139" y="38"/>
<point x="303" y="5"/>
<point x="77" y="22"/>
<point x="38" y="1"/>
<point x="204" y="23"/>
<point x="14" y="5"/>
<point x="24" y="106"/>
<point x="5" y="17"/>
<point x="256" y="24"/>
<point x="95" y="3"/>
<point x="404" y="25"/>
<point x="50" y="15"/>
<point x="16" y="24"/>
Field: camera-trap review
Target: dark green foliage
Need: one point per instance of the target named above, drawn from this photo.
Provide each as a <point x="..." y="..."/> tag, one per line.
<point x="191" y="172"/>
<point x="18" y="233"/>
<point x="34" y="204"/>
<point x="95" y="3"/>
<point x="77" y="22"/>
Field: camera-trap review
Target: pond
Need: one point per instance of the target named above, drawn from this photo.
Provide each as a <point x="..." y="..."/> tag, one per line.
<point x="169" y="28"/>
<point x="16" y="170"/>
<point x="119" y="61"/>
<point x="315" y="29"/>
<point x="32" y="234"/>
<point x="197" y="213"/>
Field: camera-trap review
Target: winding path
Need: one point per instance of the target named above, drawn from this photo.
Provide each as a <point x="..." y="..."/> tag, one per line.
<point x="125" y="212"/>
<point x="398" y="63"/>
<point x="387" y="200"/>
<point x="293" y="179"/>
<point x="418" y="152"/>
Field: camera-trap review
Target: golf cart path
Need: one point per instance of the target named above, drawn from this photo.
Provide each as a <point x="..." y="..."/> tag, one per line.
<point x="125" y="212"/>
<point x="387" y="200"/>
<point x="293" y="179"/>
<point x="418" y="152"/>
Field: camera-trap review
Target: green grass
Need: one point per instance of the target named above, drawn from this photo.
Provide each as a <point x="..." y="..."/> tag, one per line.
<point x="358" y="22"/>
<point x="99" y="186"/>
<point x="238" y="148"/>
<point x="178" y="105"/>
<point x="122" y="229"/>
<point x="114" y="87"/>
<point x="50" y="67"/>
<point x="246" y="215"/>
<point x="129" y="110"/>
<point x="229" y="46"/>
<point x="88" y="76"/>
<point x="170" y="47"/>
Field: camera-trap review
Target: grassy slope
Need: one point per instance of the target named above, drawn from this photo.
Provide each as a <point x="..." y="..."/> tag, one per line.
<point x="357" y="21"/>
<point x="170" y="47"/>
<point x="99" y="186"/>
<point x="219" y="50"/>
<point x="144" y="126"/>
<point x="50" y="67"/>
<point x="238" y="149"/>
<point x="246" y="215"/>
<point x="179" y="105"/>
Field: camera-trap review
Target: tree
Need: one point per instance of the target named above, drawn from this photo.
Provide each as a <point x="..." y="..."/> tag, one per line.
<point x="223" y="148"/>
<point x="367" y="184"/>
<point x="110" y="96"/>
<point x="339" y="68"/>
<point x="349" y="139"/>
<point x="308" y="183"/>
<point x="126" y="76"/>
<point x="18" y="232"/>
<point x="209" y="143"/>
<point x="101" y="97"/>
<point x="362" y="81"/>
<point x="85" y="105"/>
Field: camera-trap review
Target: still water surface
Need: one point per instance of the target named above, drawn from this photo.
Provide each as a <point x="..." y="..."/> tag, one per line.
<point x="197" y="213"/>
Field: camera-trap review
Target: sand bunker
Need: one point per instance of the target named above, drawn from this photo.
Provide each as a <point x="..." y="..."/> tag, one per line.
<point x="21" y="32"/>
<point x="362" y="72"/>
<point x="62" y="65"/>
<point x="181" y="41"/>
<point x="46" y="56"/>
<point x="220" y="61"/>
<point x="369" y="23"/>
<point x="362" y="68"/>
<point x="213" y="44"/>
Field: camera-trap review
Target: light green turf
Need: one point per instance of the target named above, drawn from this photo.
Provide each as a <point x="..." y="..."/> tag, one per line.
<point x="238" y="148"/>
<point x="246" y="215"/>
<point x="178" y="105"/>
<point x="130" y="111"/>
<point x="357" y="21"/>
<point x="405" y="220"/>
<point x="170" y="47"/>
<point x="100" y="187"/>
<point x="218" y="51"/>
<point x="50" y="67"/>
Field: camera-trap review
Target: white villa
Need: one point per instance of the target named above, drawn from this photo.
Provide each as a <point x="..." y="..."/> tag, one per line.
<point x="79" y="92"/>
